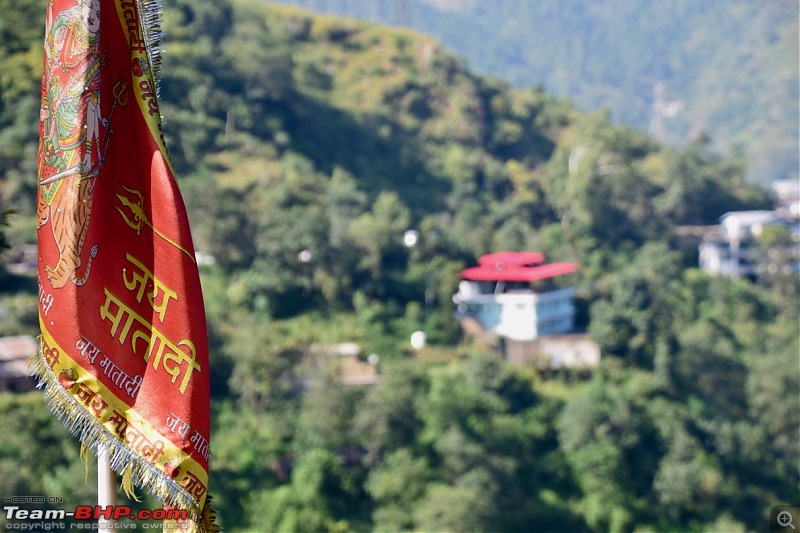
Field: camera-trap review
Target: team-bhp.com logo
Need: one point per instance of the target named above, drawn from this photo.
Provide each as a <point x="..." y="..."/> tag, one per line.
<point x="118" y="516"/>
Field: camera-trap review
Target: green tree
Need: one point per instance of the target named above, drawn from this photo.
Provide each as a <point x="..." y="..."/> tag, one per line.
<point x="390" y="416"/>
<point x="310" y="503"/>
<point x="639" y="311"/>
<point x="396" y="487"/>
<point x="702" y="186"/>
<point x="613" y="447"/>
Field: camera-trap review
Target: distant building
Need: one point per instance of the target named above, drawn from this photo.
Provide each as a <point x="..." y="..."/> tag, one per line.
<point x="511" y="301"/>
<point x="344" y="361"/>
<point x="733" y="249"/>
<point x="787" y="199"/>
<point x="787" y="192"/>
<point x="512" y="295"/>
<point x="14" y="354"/>
<point x="573" y="350"/>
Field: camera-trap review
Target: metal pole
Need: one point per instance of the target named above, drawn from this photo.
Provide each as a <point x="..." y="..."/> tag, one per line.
<point x="106" y="485"/>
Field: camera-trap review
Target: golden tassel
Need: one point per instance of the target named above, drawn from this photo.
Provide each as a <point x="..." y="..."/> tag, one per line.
<point x="85" y="453"/>
<point x="127" y="483"/>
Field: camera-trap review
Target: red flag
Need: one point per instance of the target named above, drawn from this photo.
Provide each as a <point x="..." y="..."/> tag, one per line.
<point x="124" y="350"/>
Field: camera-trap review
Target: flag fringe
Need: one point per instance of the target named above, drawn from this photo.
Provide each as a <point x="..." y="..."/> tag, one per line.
<point x="84" y="454"/>
<point x="150" y="18"/>
<point x="127" y="484"/>
<point x="93" y="435"/>
<point x="208" y="517"/>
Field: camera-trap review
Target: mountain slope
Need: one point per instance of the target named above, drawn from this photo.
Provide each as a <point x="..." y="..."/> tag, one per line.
<point x="733" y="65"/>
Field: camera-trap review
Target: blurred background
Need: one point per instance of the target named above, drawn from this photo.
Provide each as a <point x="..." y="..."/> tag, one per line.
<point x="362" y="178"/>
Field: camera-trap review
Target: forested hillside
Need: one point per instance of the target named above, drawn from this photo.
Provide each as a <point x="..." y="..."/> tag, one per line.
<point x="732" y="64"/>
<point x="305" y="147"/>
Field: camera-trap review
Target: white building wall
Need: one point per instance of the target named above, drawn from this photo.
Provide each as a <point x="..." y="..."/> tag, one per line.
<point x="518" y="316"/>
<point x="523" y="315"/>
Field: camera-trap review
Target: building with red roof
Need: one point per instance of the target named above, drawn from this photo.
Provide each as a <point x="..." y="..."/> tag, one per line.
<point x="515" y="295"/>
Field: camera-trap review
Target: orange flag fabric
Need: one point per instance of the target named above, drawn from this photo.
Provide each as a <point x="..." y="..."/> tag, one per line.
<point x="124" y="349"/>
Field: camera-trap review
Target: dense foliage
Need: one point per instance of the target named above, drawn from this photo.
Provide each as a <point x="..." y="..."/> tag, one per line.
<point x="294" y="133"/>
<point x="732" y="64"/>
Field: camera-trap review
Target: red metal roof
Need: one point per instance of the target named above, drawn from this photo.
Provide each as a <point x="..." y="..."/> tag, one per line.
<point x="518" y="273"/>
<point x="502" y="260"/>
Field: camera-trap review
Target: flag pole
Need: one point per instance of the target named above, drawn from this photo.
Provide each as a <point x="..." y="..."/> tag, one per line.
<point x="106" y="484"/>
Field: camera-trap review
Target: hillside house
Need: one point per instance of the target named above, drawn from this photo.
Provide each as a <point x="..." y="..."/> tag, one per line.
<point x="514" y="295"/>
<point x="515" y="302"/>
<point x="733" y="249"/>
<point x="344" y="360"/>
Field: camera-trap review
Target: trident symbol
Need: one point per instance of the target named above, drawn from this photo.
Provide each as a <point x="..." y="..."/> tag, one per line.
<point x="137" y="219"/>
<point x="120" y="93"/>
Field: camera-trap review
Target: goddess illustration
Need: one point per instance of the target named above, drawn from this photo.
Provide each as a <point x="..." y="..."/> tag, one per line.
<point x="71" y="128"/>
